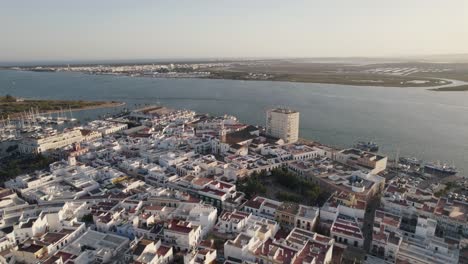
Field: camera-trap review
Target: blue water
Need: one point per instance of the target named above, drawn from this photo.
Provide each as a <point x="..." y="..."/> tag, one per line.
<point x="418" y="122"/>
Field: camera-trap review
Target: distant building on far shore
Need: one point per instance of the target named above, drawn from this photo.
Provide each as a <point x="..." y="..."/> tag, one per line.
<point x="283" y="123"/>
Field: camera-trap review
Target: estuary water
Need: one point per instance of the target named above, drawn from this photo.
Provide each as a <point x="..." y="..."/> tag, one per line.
<point x="421" y="123"/>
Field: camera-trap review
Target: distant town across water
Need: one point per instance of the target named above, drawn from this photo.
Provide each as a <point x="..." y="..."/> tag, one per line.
<point x="414" y="122"/>
<point x="382" y="72"/>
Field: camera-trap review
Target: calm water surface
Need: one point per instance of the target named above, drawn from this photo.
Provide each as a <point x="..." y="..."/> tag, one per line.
<point x="421" y="123"/>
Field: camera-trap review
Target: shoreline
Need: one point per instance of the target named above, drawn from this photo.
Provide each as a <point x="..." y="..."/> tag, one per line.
<point x="84" y="108"/>
<point x="449" y="83"/>
<point x="458" y="88"/>
<point x="105" y="105"/>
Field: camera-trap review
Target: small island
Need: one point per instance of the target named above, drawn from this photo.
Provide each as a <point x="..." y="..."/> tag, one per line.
<point x="13" y="107"/>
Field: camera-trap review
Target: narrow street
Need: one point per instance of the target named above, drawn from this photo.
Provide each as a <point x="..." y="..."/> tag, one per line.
<point x="368" y="222"/>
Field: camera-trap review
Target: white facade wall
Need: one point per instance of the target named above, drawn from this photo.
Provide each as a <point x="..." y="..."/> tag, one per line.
<point x="206" y="218"/>
<point x="39" y="145"/>
<point x="240" y="251"/>
<point x="347" y="240"/>
<point x="183" y="240"/>
<point x="284" y="124"/>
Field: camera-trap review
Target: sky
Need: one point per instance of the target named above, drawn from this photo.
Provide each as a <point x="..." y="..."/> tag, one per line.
<point x="60" y="30"/>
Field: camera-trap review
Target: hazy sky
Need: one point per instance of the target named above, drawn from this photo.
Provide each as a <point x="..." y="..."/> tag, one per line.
<point x="105" y="29"/>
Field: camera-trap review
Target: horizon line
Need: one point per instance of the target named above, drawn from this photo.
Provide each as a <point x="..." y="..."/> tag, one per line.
<point x="39" y="62"/>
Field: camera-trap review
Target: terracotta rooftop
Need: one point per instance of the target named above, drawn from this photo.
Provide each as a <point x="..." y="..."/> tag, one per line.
<point x="162" y="250"/>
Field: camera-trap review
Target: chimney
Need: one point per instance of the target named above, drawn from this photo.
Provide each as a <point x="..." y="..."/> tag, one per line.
<point x="71" y="160"/>
<point x="76" y="146"/>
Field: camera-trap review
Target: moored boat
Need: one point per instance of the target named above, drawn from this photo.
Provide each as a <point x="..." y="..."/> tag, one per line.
<point x="367" y="146"/>
<point x="440" y="169"/>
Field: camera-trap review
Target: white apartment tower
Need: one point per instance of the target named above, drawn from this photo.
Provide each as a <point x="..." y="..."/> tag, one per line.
<point x="283" y="123"/>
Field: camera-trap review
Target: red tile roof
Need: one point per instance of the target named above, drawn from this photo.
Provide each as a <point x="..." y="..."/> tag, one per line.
<point x="162" y="250"/>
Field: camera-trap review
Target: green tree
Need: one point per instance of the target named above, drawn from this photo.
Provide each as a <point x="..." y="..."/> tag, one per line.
<point x="251" y="186"/>
<point x="87" y="218"/>
<point x="9" y="98"/>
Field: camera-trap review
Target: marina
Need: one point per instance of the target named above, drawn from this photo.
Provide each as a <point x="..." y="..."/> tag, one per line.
<point x="33" y="121"/>
<point x="426" y="168"/>
<point x="367" y="146"/>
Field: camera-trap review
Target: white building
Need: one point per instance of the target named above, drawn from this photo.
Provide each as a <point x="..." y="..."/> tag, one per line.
<point x="106" y="127"/>
<point x="151" y="251"/>
<point x="200" y="256"/>
<point x="345" y="230"/>
<point x="232" y="222"/>
<point x="262" y="206"/>
<point x="182" y="234"/>
<point x="368" y="161"/>
<point x="98" y="247"/>
<point x="430" y="250"/>
<point x="42" y="143"/>
<point x="242" y="247"/>
<point x="300" y="246"/>
<point x="283" y="123"/>
<point x="386" y="236"/>
<point x="197" y="214"/>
